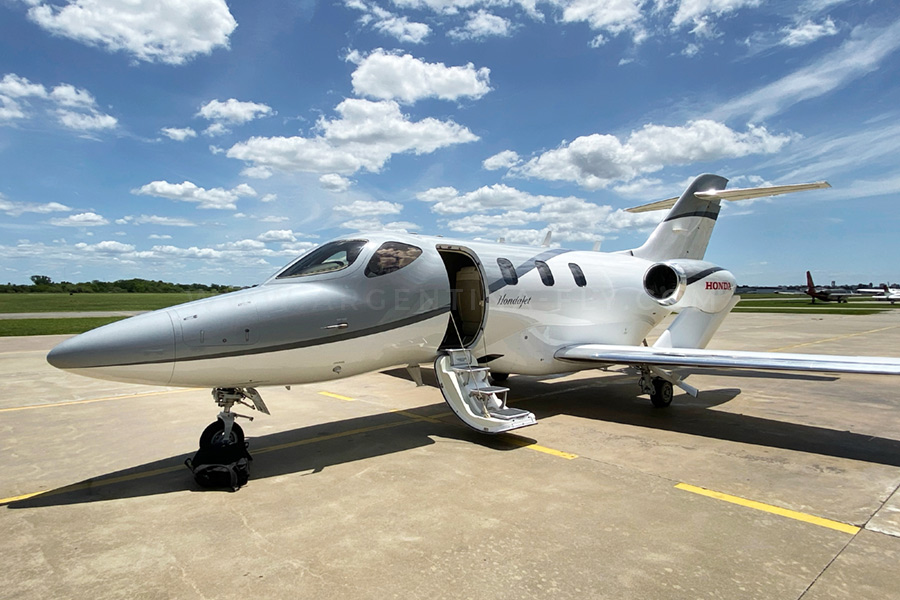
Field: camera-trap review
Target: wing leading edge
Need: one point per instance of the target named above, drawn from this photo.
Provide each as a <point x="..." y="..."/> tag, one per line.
<point x="700" y="358"/>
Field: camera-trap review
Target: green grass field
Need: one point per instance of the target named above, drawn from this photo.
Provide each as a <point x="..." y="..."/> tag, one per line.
<point x="38" y="303"/>
<point x="11" y="327"/>
<point x="34" y="303"/>
<point x="779" y="303"/>
<point x="28" y="303"/>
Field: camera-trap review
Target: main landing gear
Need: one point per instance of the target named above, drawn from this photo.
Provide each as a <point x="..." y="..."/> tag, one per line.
<point x="660" y="389"/>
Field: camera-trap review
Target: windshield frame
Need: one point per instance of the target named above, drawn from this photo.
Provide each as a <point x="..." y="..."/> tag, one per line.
<point x="310" y="264"/>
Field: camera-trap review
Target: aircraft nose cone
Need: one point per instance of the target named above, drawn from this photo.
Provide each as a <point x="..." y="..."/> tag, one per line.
<point x="120" y="347"/>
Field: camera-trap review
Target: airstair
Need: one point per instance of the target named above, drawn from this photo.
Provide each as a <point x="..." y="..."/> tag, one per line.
<point x="469" y="393"/>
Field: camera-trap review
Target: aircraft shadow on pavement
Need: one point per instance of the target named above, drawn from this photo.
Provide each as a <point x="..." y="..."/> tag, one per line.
<point x="307" y="450"/>
<point x="610" y="397"/>
<point x="613" y="397"/>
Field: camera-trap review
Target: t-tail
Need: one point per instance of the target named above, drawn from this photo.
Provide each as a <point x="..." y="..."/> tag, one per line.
<point x="685" y="231"/>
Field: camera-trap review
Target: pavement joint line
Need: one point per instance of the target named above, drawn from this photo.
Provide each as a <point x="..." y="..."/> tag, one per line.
<point x="769" y="508"/>
<point x="834" y="339"/>
<point x="92" y="400"/>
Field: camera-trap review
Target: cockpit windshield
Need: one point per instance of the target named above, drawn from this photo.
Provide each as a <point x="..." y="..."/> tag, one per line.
<point x="328" y="258"/>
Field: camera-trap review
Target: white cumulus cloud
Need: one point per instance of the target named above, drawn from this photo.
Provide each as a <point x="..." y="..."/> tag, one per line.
<point x="386" y="76"/>
<point x="233" y="111"/>
<point x="14" y="209"/>
<point x="85" y="219"/>
<point x="178" y="134"/>
<point x="595" y="161"/>
<point x="217" y="198"/>
<point x="370" y="208"/>
<point x="73" y="107"/>
<point x="334" y="183"/>
<point x="168" y="31"/>
<point x="480" y="25"/>
<point x="365" y="136"/>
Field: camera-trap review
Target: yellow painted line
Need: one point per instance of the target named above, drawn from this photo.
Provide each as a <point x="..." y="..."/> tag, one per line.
<point x="526" y="443"/>
<point x="92" y="400"/>
<point x="93" y="483"/>
<point x="834" y="339"/>
<point x="338" y="396"/>
<point x="776" y="510"/>
<point x="22" y="497"/>
<point x="410" y="419"/>
<point x="410" y="415"/>
<point x="333" y="436"/>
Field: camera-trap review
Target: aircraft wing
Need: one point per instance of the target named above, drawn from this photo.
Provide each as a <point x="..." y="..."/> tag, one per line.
<point x="700" y="358"/>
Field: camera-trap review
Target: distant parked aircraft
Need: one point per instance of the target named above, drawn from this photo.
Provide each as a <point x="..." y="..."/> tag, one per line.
<point x="825" y="294"/>
<point x="885" y="293"/>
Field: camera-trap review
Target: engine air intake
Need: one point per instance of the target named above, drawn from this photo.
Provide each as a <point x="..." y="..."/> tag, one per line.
<point x="665" y="283"/>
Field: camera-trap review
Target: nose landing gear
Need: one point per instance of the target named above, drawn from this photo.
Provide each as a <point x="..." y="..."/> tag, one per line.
<point x="223" y="460"/>
<point x="224" y="430"/>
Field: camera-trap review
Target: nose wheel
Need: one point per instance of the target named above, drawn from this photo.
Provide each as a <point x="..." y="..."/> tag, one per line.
<point x="223" y="460"/>
<point x="214" y="435"/>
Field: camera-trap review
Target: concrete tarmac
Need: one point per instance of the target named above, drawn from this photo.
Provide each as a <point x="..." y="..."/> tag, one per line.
<point x="775" y="488"/>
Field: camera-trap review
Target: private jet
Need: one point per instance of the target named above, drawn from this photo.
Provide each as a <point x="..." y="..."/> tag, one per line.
<point x="475" y="311"/>
<point x="885" y="293"/>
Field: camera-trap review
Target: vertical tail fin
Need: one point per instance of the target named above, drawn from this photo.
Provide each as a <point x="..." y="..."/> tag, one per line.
<point x="810" y="286"/>
<point x="686" y="230"/>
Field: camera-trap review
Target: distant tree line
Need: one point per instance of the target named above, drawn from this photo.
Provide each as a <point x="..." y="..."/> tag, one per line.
<point x="43" y="284"/>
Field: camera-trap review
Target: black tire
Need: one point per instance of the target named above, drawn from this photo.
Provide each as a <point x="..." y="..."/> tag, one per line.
<point x="213" y="435"/>
<point x="662" y="393"/>
<point x="499" y="377"/>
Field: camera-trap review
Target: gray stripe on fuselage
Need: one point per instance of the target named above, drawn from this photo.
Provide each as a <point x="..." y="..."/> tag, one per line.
<point x="701" y="274"/>
<point x="526" y="267"/>
<point x="708" y="214"/>
<point x="338" y="337"/>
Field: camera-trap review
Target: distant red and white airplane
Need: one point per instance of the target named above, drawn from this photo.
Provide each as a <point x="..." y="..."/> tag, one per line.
<point x="825" y="294"/>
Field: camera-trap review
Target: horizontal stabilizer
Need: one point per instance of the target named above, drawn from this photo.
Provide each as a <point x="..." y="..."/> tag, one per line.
<point x="732" y="195"/>
<point x="705" y="358"/>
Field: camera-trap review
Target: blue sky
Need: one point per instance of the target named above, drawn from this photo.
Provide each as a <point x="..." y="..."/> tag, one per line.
<point x="212" y="142"/>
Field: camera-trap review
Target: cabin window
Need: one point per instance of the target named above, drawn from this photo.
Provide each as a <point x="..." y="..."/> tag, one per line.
<point x="544" y="270"/>
<point x="508" y="271"/>
<point x="390" y="257"/>
<point x="578" y="274"/>
<point x="328" y="258"/>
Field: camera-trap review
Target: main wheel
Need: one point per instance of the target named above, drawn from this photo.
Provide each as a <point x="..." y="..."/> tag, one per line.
<point x="214" y="435"/>
<point x="662" y="393"/>
<point x="499" y="377"/>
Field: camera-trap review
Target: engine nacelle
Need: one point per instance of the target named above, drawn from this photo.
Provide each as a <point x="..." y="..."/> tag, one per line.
<point x="678" y="284"/>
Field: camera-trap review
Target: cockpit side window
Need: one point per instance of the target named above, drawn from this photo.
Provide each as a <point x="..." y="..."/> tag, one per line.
<point x="331" y="257"/>
<point x="390" y="257"/>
